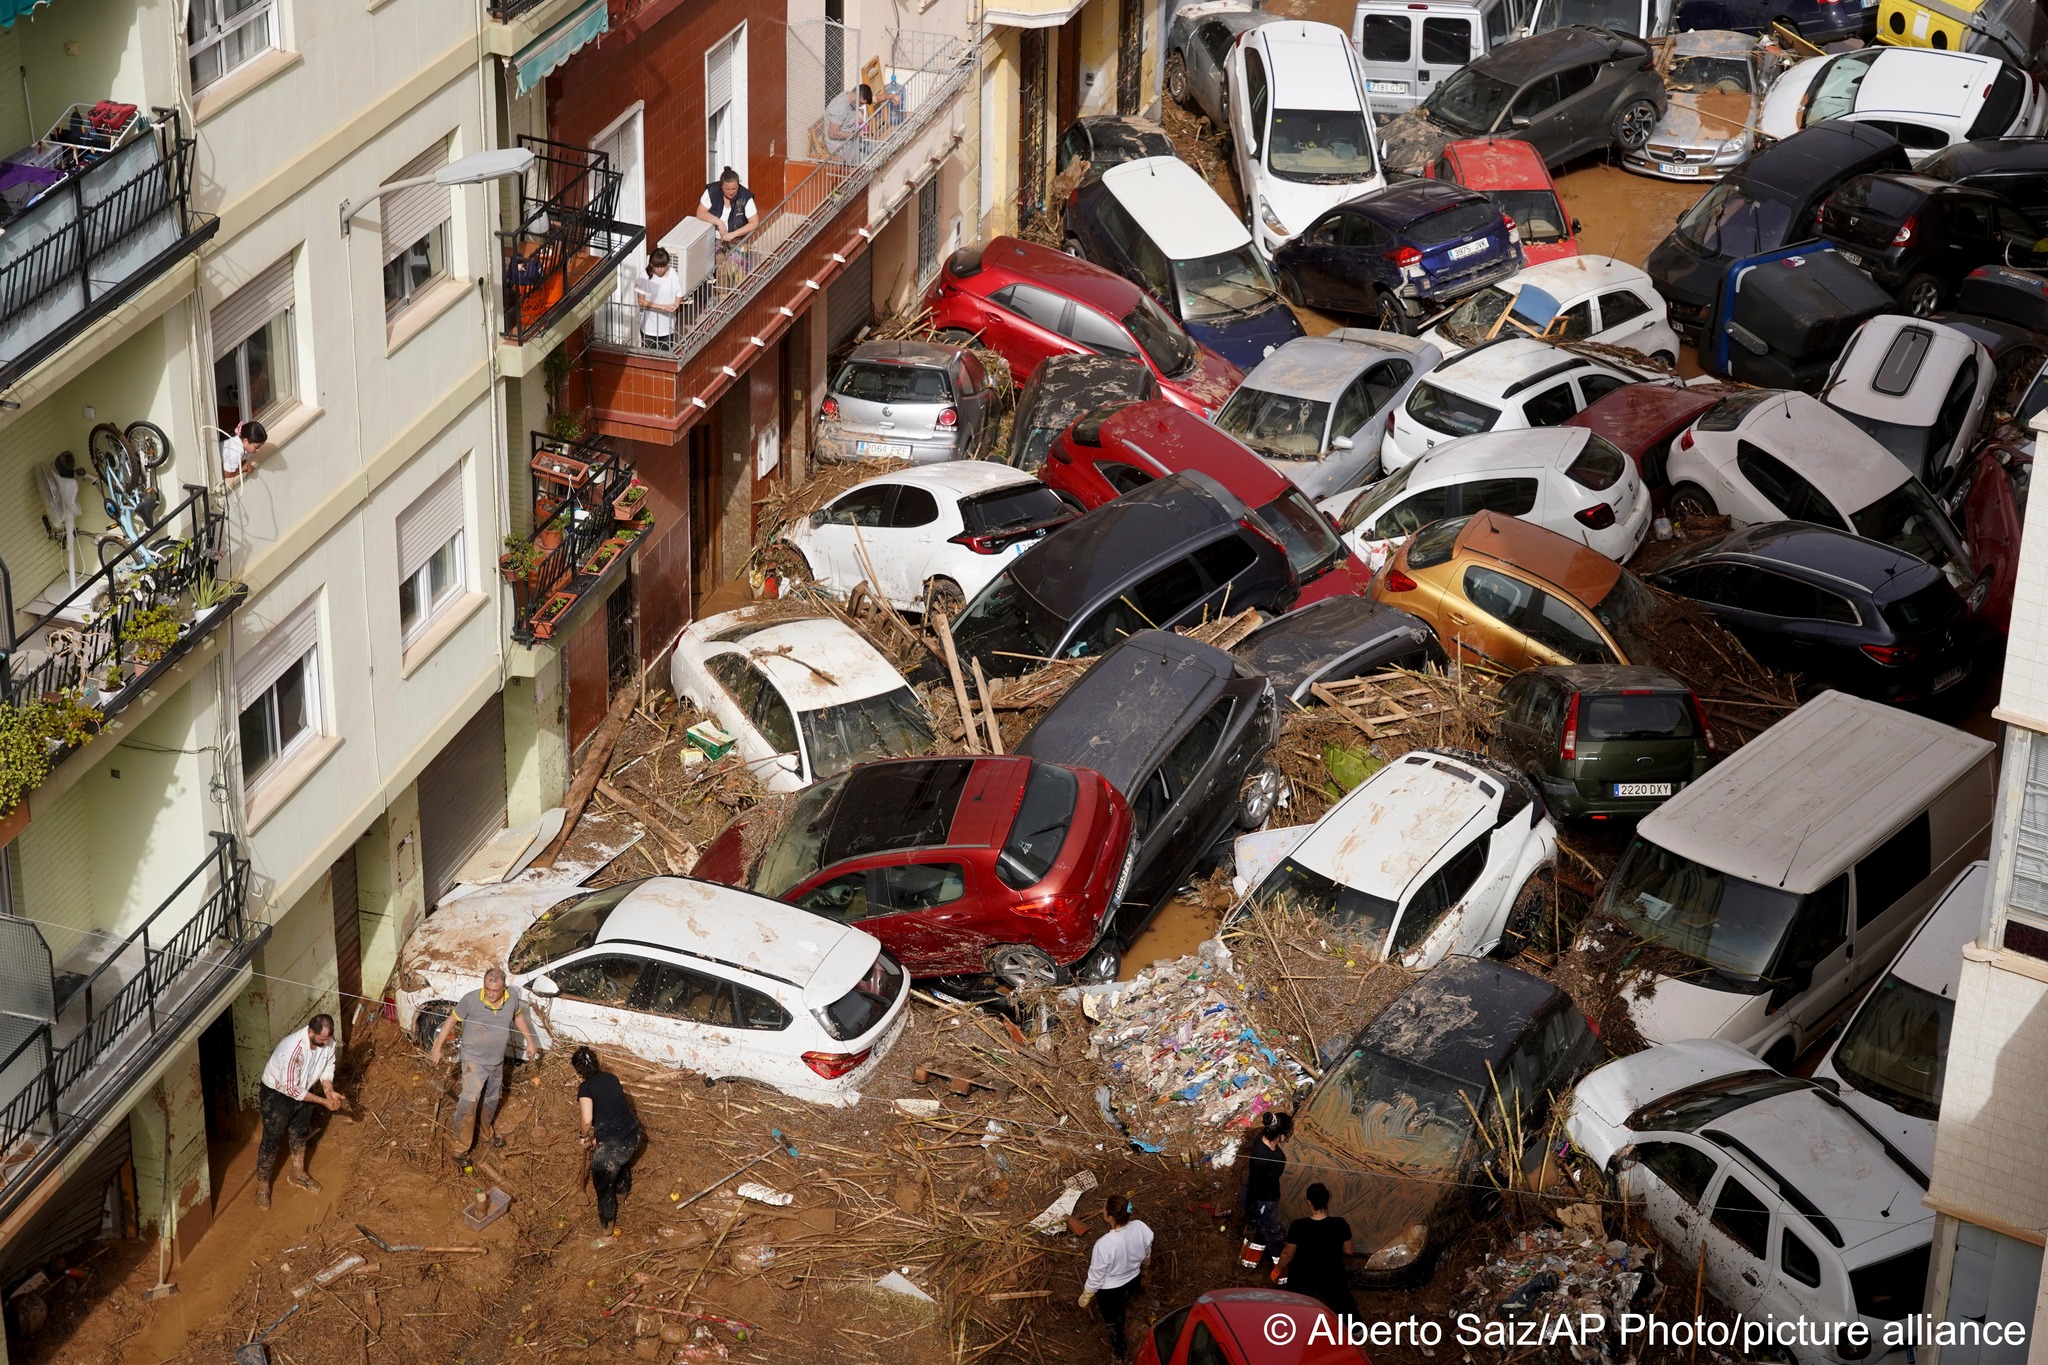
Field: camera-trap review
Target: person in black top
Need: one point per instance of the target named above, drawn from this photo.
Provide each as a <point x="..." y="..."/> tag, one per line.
<point x="611" y="1134"/>
<point x="1313" y="1263"/>
<point x="1265" y="1164"/>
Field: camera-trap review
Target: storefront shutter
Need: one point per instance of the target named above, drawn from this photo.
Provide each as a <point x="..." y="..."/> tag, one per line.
<point x="462" y="797"/>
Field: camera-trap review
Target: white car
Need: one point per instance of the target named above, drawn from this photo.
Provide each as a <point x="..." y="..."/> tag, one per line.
<point x="684" y="973"/>
<point x="1773" y="455"/>
<point x="1891" y="1057"/>
<point x="1599" y="299"/>
<point x="1301" y="127"/>
<point x="930" y="535"/>
<point x="805" y="699"/>
<point x="1564" y="479"/>
<point x="1427" y="857"/>
<point x="1794" y="1209"/>
<point x="1919" y="389"/>
<point x="1511" y="384"/>
<point x="1925" y="98"/>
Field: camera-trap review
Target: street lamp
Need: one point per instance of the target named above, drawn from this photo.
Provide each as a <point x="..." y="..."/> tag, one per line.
<point x="499" y="164"/>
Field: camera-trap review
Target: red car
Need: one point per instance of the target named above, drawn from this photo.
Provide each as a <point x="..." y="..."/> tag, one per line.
<point x="1028" y="302"/>
<point x="1248" y="1327"/>
<point x="959" y="865"/>
<point x="1991" y="490"/>
<point x="1643" y="420"/>
<point x="1114" y="450"/>
<point x="1511" y="174"/>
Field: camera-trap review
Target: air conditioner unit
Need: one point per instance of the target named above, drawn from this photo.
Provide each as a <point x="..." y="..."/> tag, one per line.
<point x="692" y="246"/>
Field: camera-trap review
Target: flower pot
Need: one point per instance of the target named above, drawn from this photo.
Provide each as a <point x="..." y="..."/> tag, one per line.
<point x="551" y="612"/>
<point x="549" y="540"/>
<point x="601" y="558"/>
<point x="560" y="469"/>
<point x="627" y="505"/>
<point x="13" y="821"/>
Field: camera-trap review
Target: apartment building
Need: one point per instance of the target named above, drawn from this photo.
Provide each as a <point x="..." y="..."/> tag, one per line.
<point x="252" y="724"/>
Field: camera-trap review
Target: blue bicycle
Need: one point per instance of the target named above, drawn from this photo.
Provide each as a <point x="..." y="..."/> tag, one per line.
<point x="125" y="464"/>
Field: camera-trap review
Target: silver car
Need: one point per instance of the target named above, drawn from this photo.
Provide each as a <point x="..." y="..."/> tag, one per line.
<point x="1315" y="409"/>
<point x="1196" y="46"/>
<point x="1716" y="81"/>
<point x="908" y="400"/>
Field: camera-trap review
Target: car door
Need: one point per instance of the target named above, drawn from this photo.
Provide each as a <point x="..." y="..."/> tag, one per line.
<point x="1435" y="923"/>
<point x="1153" y="602"/>
<point x="1736" y="1243"/>
<point x="900" y="550"/>
<point x="1886" y="879"/>
<point x="1098" y="333"/>
<point x="1561" y="627"/>
<point x="975" y="402"/>
<point x="1249" y="105"/>
<point x="1446" y="46"/>
<point x="1797" y="1285"/>
<point x="1625" y="320"/>
<point x="1535" y="117"/>
<point x="1811" y="974"/>
<point x="1357" y="265"/>
<point x="693" y="1017"/>
<point x="1310" y="260"/>
<point x="923" y="902"/>
<point x="733" y="701"/>
<point x="1485" y="618"/>
<point x="1026" y="325"/>
<point x="1183" y="831"/>
<point x="1669" y="1181"/>
<point x="1515" y="736"/>
<point x="1365" y="399"/>
<point x="1205" y="58"/>
<point x="1777" y="491"/>
<point x="592" y="998"/>
<point x="844" y="527"/>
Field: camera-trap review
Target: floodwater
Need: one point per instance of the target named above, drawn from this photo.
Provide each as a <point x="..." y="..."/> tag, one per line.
<point x="1179" y="927"/>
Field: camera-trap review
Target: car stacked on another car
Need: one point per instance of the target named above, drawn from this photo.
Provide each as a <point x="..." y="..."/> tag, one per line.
<point x="1400" y="254"/>
<point x="1316" y="408"/>
<point x="1926" y="99"/>
<point x="1642" y="420"/>
<point x="1921" y="389"/>
<point x="1510" y="384"/>
<point x="1602" y="742"/>
<point x="907" y="400"/>
<point x="2016" y="167"/>
<point x="1919" y="237"/>
<point x="1198" y="53"/>
<point x="1716" y="81"/>
<point x="1598" y="298"/>
<point x="1336" y="639"/>
<point x="1063" y="389"/>
<point x="1100" y="141"/>
<point x="1511" y="173"/>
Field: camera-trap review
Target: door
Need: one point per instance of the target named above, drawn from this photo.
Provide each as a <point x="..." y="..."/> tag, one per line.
<point x="1487" y="619"/>
<point x="348" y="942"/>
<point x="1027" y="324"/>
<point x="621" y="144"/>
<point x="462" y="797"/>
<point x="1447" y="41"/>
<point x="926" y="903"/>
<point x="1669" y="1182"/>
<point x="1130" y="57"/>
<point x="1812" y="970"/>
<point x="1172" y="833"/>
<point x="1206" y="58"/>
<point x="1624" y="319"/>
<point x="1794" y="1286"/>
<point x="593" y="996"/>
<point x="707" y="516"/>
<point x="905" y="544"/>
<point x="1433" y="923"/>
<point x="1887" y="893"/>
<point x="1067" y="107"/>
<point x="1386" y="36"/>
<point x="1737" y="1239"/>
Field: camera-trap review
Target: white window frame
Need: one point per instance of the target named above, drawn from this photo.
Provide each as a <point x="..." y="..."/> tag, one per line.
<point x="216" y="29"/>
<point x="737" y="103"/>
<point x="435" y="243"/>
<point x="284" y="367"/>
<point x="429" y="603"/>
<point x="299" y="636"/>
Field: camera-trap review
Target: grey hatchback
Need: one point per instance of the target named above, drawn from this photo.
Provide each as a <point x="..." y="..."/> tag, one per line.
<point x="908" y="400"/>
<point x="1602" y="741"/>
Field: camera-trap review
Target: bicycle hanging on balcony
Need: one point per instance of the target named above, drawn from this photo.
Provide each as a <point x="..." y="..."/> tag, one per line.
<point x="126" y="465"/>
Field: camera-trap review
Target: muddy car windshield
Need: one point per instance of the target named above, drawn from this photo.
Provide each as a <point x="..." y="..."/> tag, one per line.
<point x="1224" y="284"/>
<point x="874" y="382"/>
<point x="566" y="927"/>
<point x="1537" y="214"/>
<point x="1472" y="321"/>
<point x="1470" y="101"/>
<point x="1908" y="519"/>
<point x="1162" y="338"/>
<point x="1834" y="94"/>
<point x="1621" y="16"/>
<point x="1003" y="619"/>
<point x="795" y="851"/>
<point x="1728" y="222"/>
<point x="1294" y="887"/>
<point x="1894" y="1050"/>
<point x="1276" y="424"/>
<point x="1373" y="1106"/>
<point x="1711" y="917"/>
<point x="1302" y="530"/>
<point x="888" y="725"/>
<point x="1709" y="76"/>
<point x="1320" y="146"/>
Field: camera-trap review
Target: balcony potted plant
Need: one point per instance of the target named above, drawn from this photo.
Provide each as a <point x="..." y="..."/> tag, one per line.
<point x="211" y="595"/>
<point x="550" y="614"/>
<point x="151" y="633"/>
<point x="553" y="466"/>
<point x="520" y="561"/>
<point x="627" y="505"/>
<point x="110" y="686"/>
<point x="601" y="558"/>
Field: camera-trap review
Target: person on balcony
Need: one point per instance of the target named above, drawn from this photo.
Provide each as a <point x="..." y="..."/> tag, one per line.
<point x="846" y="121"/>
<point x="301" y="1060"/>
<point x="239" y="451"/>
<point x="660" y="295"/>
<point x="729" y="207"/>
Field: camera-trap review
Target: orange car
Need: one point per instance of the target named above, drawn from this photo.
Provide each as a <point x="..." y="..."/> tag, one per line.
<point x="1513" y="594"/>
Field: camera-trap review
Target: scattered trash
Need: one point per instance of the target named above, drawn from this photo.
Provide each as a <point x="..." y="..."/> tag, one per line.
<point x="993" y="1134"/>
<point x="1054" y="1219"/>
<point x="919" y="1109"/>
<point x="1552" y="1272"/>
<point x="710" y="739"/>
<point x="487" y="1208"/>
<point x="896" y="1283"/>
<point x="765" y="1194"/>
<point x="328" y="1276"/>
<point x="753" y="1258"/>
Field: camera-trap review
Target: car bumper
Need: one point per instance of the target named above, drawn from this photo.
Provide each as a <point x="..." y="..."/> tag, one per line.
<point x="860" y="445"/>
<point x="1584" y="800"/>
<point x="1435" y="291"/>
<point x="1684" y="163"/>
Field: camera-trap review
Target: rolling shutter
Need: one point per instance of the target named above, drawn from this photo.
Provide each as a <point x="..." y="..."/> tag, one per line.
<point x="411" y="214"/>
<point x="849" y="300"/>
<point x="285" y="644"/>
<point x="462" y="797"/>
<point x="241" y="313"/>
<point x="75" y="1215"/>
<point x="426" y="526"/>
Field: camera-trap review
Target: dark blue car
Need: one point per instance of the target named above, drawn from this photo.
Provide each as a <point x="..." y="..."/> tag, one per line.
<point x="1401" y="253"/>
<point x="1158" y="224"/>
<point x="1818" y="21"/>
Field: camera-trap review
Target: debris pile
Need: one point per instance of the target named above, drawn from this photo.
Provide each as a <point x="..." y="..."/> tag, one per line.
<point x="1563" y="1272"/>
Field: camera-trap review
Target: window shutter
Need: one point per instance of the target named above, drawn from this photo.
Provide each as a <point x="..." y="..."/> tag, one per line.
<point x="411" y="214"/>
<point x="284" y="645"/>
<point x="718" y="75"/>
<point x="426" y="526"/>
<point x="241" y="314"/>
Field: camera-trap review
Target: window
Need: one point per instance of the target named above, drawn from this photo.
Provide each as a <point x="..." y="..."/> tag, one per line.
<point x="773" y="718"/>
<point x="1203" y="1350"/>
<point x="1889" y="1290"/>
<point x="928" y="227"/>
<point x="914" y="507"/>
<point x="1166" y="1332"/>
<point x="1032" y="304"/>
<point x="1574" y="323"/>
<point x="758" y="1011"/>
<point x="923" y="886"/>
<point x="1184" y="764"/>
<point x="414" y="268"/>
<point x="1255" y="82"/>
<point x="605" y="979"/>
<point x="1598" y="465"/>
<point x="1820" y="927"/>
<point x="1536" y="98"/>
<point x="1509" y="497"/>
<point x="1623" y="305"/>
<point x="1099" y="334"/>
<point x="430" y="560"/>
<point x="1446" y="42"/>
<point x="1578" y="78"/>
<point x="1216" y="39"/>
<point x="1892" y="869"/>
<point x="1444" y="889"/>
<point x="725" y="105"/>
<point x="694" y="997"/>
<point x="1551" y="407"/>
<point x="1357" y="230"/>
<point x="252" y="348"/>
<point x="415" y="227"/>
<point x="1406" y="518"/>
<point x="1497" y="21"/>
<point x="1122" y="477"/>
<point x="1798" y="1260"/>
<point x="1598" y="386"/>
<point x="1223" y="560"/>
<point x="740" y="682"/>
<point x="1501" y="597"/>
<point x="1388" y="37"/>
<point x="278" y="683"/>
<point x="1741" y="1213"/>
<point x="861" y="507"/>
<point x="222" y="35"/>
<point x="1366" y="395"/>
<point x="1685" y="1170"/>
<point x="1784" y="488"/>
<point x="844" y="898"/>
<point x="1558" y="625"/>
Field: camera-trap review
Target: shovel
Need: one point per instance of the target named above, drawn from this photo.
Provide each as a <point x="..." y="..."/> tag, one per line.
<point x="383" y="1245"/>
<point x="783" y="1146"/>
<point x="256" y="1353"/>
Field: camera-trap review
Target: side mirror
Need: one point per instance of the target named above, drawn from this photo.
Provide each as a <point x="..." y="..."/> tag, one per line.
<point x="817" y="518"/>
<point x="1341" y="443"/>
<point x="1519" y="120"/>
<point x="789" y="764"/>
<point x="543" y="986"/>
<point x="1577" y="227"/>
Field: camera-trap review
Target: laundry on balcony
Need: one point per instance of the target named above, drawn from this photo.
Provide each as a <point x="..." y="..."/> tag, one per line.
<point x="82" y="137"/>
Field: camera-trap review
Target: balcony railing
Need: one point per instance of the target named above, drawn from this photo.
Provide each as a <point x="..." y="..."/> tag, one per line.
<point x="93" y="241"/>
<point x="589" y="514"/>
<point x="110" y="1027"/>
<point x="929" y="70"/>
<point x="505" y="11"/>
<point x="569" y="242"/>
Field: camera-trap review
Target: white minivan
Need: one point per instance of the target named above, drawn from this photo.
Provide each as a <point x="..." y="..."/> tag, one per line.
<point x="1409" y="48"/>
<point x="1301" y="127"/>
<point x="1791" y="873"/>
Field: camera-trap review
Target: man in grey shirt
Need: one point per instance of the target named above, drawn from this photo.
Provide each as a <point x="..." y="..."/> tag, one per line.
<point x="487" y="1017"/>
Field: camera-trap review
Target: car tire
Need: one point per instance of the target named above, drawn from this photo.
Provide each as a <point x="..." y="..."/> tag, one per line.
<point x="1260" y="796"/>
<point x="1290" y="292"/>
<point x="943" y="594"/>
<point x="428" y="1021"/>
<point x="1691" y="500"/>
<point x="1666" y="359"/>
<point x="1781" y="1055"/>
<point x="1177" y="79"/>
<point x="1022" y="964"/>
<point x="1101" y="965"/>
<point x="1922" y="296"/>
<point x="954" y="336"/>
<point x="1389" y="315"/>
<point x="1634" y="124"/>
<point x="1072" y="246"/>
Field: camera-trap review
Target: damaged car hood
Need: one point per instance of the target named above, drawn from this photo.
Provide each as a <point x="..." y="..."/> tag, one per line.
<point x="1411" y="140"/>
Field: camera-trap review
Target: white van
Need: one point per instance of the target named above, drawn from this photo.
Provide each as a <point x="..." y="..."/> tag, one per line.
<point x="1790" y="874"/>
<point x="1407" y="49"/>
<point x="1301" y="127"/>
<point x="1889" y="1061"/>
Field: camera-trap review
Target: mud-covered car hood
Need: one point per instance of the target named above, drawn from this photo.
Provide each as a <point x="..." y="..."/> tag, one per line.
<point x="1704" y="119"/>
<point x="1380" y="1200"/>
<point x="475" y="932"/>
<point x="1411" y="140"/>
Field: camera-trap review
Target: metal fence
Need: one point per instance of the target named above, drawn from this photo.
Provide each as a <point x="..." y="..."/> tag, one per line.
<point x="569" y="240"/>
<point x="576" y="484"/>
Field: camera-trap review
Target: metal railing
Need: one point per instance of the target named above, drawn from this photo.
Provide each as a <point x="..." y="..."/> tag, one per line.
<point x="505" y="11"/>
<point x="568" y="242"/>
<point x="94" y="240"/>
<point x="73" y="654"/>
<point x="586" y="477"/>
<point x="928" y="70"/>
<point x="130" y="990"/>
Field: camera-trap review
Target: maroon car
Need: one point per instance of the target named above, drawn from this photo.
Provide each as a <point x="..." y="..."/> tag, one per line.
<point x="1991" y="491"/>
<point x="958" y="865"/>
<point x="1029" y="302"/>
<point x="1643" y="419"/>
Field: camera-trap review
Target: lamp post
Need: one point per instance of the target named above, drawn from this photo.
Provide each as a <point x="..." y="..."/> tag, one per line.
<point x="480" y="168"/>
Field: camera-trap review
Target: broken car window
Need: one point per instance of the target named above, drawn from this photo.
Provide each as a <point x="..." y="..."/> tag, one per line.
<point x="567" y="927"/>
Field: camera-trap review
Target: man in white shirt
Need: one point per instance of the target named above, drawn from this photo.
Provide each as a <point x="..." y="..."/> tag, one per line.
<point x="301" y="1060"/>
<point x="660" y="294"/>
<point x="1116" y="1266"/>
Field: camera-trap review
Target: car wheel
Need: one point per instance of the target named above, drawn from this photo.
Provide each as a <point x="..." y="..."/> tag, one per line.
<point x="1634" y="124"/>
<point x="1072" y="246"/>
<point x="1691" y="500"/>
<point x="1260" y="794"/>
<point x="943" y="595"/>
<point x="1388" y="314"/>
<point x="1020" y="964"/>
<point x="1780" y="1057"/>
<point x="1177" y="79"/>
<point x="428" y="1021"/>
<point x="1531" y="901"/>
<point x="954" y="336"/>
<point x="1922" y="296"/>
<point x="1666" y="359"/>
<point x="1101" y="965"/>
<point x="1290" y="292"/>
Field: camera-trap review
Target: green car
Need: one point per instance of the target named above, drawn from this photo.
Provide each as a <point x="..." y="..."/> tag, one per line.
<point x="1603" y="742"/>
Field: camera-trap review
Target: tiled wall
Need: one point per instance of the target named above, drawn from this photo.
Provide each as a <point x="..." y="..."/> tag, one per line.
<point x="1991" y="1148"/>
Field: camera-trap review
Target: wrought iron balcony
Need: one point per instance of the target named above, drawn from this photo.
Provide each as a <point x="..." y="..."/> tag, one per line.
<point x="569" y="243"/>
<point x="111" y="221"/>
<point x="589" y="513"/>
<point x="74" y="1042"/>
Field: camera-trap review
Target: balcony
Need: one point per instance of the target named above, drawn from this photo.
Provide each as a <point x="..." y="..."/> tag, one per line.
<point x="589" y="514"/>
<point x="92" y="648"/>
<point x="77" y="1037"/>
<point x="105" y="221"/>
<point x="564" y="257"/>
<point x="539" y="35"/>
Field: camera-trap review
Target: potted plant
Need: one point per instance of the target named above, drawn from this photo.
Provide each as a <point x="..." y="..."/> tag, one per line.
<point x="601" y="558"/>
<point x="24" y="759"/>
<point x="151" y="633"/>
<point x="551" y="613"/>
<point x="211" y="594"/>
<point x="520" y="561"/>
<point x="110" y="686"/>
<point x="627" y="505"/>
<point x="556" y="467"/>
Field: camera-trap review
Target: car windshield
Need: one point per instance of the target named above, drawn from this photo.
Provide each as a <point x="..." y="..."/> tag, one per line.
<point x="1621" y="16"/>
<point x="1005" y="620"/>
<point x="1040" y="829"/>
<point x="1711" y="917"/>
<point x="566" y="927"/>
<point x="1320" y="146"/>
<point x="1893" y="1051"/>
<point x="1537" y="214"/>
<point x="887" y="725"/>
<point x="1728" y="222"/>
<point x="1709" y="76"/>
<point x="1276" y="424"/>
<point x="796" y="850"/>
<point x="1640" y="715"/>
<point x="1834" y="93"/>
<point x="1470" y="101"/>
<point x="1226" y="283"/>
<point x="1472" y="321"/>
<point x="1162" y="339"/>
<point x="1293" y="887"/>
<point x="1451" y="224"/>
<point x="1908" y="519"/>
<point x="875" y="381"/>
<point x="1367" y="504"/>
<point x="1627" y="611"/>
<point x="1375" y="1107"/>
<point x="1448" y="413"/>
<point x="1892" y="1289"/>
<point x="1694" y="1107"/>
<point x="1310" y="541"/>
<point x="1012" y="509"/>
<point x="1907" y="441"/>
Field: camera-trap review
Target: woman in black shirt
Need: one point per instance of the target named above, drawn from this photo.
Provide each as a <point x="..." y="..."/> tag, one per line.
<point x="611" y="1134"/>
<point x="1313" y="1263"/>
<point x="1265" y="1163"/>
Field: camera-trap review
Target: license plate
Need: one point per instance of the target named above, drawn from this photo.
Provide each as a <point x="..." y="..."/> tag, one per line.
<point x="1851" y="257"/>
<point x="1683" y="170"/>
<point x="1642" y="789"/>
<point x="1386" y="87"/>
<point x="1459" y="253"/>
<point x="1944" y="681"/>
<point x="882" y="450"/>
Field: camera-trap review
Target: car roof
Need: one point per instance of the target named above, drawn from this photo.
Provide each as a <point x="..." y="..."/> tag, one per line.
<point x="1176" y="208"/>
<point x="890" y="805"/>
<point x="1386" y="832"/>
<point x="1924" y="80"/>
<point x="1569" y="276"/>
<point x="1553" y="50"/>
<point x="906" y="352"/>
<point x="1796" y="805"/>
<point x="1246" y="1312"/>
<point x="1183" y="442"/>
<point x="1318" y="367"/>
<point x="1085" y="376"/>
<point x="1459" y="1017"/>
<point x="1877" y="568"/>
<point x="1059" y="272"/>
<point x="1090" y="555"/>
<point x="1611" y="677"/>
<point x="1405" y="201"/>
<point x="1983" y="156"/>
<point x="1125" y="130"/>
<point x="725" y="924"/>
<point x="1491" y="368"/>
<point x="1854" y="385"/>
<point x="1124" y="712"/>
<point x="1713" y="42"/>
<point x="1812" y="160"/>
<point x="819" y="661"/>
<point x="1636" y="417"/>
<point x="1504" y="163"/>
<point x="1287" y="648"/>
<point x="1857" y="471"/>
<point x="1584" y="573"/>
<point x="1487" y="451"/>
<point x="963" y="478"/>
<point x="1311" y="62"/>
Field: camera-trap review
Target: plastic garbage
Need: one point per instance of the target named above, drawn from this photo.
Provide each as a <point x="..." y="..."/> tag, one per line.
<point x="765" y="1194"/>
<point x="1054" y="1219"/>
<point x="897" y="1283"/>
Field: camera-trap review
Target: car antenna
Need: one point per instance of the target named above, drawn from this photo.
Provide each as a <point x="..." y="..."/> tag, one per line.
<point x="1791" y="861"/>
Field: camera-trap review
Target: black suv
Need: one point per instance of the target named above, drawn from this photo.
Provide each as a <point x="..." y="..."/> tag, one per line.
<point x="1565" y="92"/>
<point x="1919" y="237"/>
<point x="2016" y="167"/>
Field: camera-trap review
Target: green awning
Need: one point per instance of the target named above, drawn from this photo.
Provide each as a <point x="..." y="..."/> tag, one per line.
<point x="10" y="10"/>
<point x="548" y="51"/>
